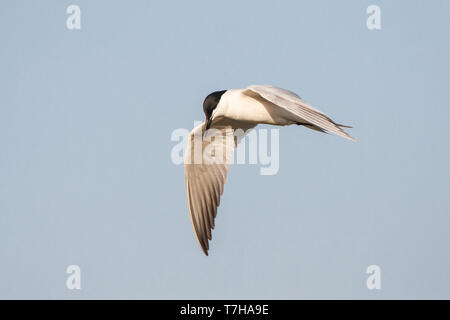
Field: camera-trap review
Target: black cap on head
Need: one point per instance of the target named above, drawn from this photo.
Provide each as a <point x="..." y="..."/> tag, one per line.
<point x="211" y="102"/>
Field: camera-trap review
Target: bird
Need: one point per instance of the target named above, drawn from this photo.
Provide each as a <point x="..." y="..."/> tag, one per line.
<point x="207" y="160"/>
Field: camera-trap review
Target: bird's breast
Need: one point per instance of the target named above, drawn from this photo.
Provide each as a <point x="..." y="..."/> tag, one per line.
<point x="236" y="105"/>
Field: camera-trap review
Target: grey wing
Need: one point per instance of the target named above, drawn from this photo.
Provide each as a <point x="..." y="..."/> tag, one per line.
<point x="207" y="160"/>
<point x="299" y="109"/>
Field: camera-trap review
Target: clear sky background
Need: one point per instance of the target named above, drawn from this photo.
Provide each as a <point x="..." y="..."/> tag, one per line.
<point x="86" y="176"/>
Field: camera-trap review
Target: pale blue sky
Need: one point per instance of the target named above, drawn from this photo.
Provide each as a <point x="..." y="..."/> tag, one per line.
<point x="85" y="170"/>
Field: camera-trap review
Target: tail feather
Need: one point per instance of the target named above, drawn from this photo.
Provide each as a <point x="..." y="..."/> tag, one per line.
<point x="343" y="125"/>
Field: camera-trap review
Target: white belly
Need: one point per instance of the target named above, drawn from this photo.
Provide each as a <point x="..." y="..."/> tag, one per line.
<point x="238" y="106"/>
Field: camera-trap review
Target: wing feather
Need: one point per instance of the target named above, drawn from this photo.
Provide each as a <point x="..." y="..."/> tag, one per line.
<point x="205" y="181"/>
<point x="299" y="109"/>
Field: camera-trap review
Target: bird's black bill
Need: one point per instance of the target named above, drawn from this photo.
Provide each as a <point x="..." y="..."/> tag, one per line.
<point x="208" y="124"/>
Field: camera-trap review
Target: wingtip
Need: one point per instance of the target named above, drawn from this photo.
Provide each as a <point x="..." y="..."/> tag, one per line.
<point x="346" y="135"/>
<point x="205" y="247"/>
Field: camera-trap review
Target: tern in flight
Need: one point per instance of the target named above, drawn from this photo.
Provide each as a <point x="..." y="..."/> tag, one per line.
<point x="208" y="156"/>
